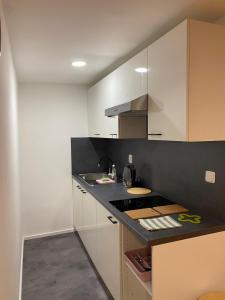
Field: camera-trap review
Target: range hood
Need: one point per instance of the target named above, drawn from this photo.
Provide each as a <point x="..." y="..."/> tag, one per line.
<point x="138" y="106"/>
<point x="132" y="118"/>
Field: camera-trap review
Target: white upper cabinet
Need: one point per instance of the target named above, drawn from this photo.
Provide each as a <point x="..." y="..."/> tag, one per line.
<point x="120" y="86"/>
<point x="167" y="86"/>
<point x="129" y="81"/>
<point x="186" y="83"/>
<point x="98" y="124"/>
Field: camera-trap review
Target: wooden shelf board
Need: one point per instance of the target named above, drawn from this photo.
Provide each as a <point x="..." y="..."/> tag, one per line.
<point x="146" y="285"/>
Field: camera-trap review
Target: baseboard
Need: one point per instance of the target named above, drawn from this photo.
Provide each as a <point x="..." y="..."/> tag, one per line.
<point x="21" y="270"/>
<point x="45" y="234"/>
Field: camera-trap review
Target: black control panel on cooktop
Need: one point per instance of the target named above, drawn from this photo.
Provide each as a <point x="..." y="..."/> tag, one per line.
<point x="139" y="203"/>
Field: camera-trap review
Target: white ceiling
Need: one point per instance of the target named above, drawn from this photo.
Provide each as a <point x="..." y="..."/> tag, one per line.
<point x="47" y="35"/>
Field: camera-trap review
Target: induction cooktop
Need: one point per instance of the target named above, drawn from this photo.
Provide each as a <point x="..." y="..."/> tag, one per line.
<point x="139" y="203"/>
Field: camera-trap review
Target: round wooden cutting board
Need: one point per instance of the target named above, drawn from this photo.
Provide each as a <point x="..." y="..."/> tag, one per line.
<point x="139" y="191"/>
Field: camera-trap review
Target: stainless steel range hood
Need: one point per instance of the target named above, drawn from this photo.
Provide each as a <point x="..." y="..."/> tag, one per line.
<point x="137" y="106"/>
<point x="132" y="118"/>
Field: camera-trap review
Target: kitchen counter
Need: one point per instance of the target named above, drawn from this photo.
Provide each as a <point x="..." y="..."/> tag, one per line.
<point x="116" y="191"/>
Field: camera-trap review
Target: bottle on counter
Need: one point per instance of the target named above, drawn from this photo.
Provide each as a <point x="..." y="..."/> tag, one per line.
<point x="114" y="172"/>
<point x="129" y="176"/>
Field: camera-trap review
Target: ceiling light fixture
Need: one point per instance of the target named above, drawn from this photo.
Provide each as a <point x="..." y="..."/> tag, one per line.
<point x="79" y="63"/>
<point x="141" y="70"/>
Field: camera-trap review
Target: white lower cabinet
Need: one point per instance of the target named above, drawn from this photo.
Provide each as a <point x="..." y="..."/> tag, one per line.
<point x="88" y="232"/>
<point x="100" y="234"/>
<point x="85" y="218"/>
<point x="108" y="243"/>
<point x="78" y="195"/>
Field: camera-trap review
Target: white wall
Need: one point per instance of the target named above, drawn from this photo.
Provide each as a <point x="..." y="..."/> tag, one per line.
<point x="49" y="115"/>
<point x="10" y="235"/>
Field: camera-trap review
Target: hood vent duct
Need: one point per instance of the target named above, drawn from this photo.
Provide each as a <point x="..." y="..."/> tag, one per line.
<point x="132" y="118"/>
<point x="137" y="107"/>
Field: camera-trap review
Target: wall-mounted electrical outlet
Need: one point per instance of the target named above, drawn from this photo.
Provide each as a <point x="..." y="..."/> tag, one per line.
<point x="210" y="176"/>
<point x="130" y="158"/>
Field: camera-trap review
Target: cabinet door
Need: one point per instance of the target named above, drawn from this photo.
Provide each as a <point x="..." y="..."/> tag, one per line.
<point x="108" y="260"/>
<point x="206" y="81"/>
<point x="125" y="83"/>
<point x="77" y="206"/>
<point x="109" y="126"/>
<point x="120" y="86"/>
<point x="98" y="100"/>
<point x="167" y="86"/>
<point x="95" y="115"/>
<point x="88" y="232"/>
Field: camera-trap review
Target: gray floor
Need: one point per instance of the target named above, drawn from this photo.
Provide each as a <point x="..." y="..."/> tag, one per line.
<point x="58" y="268"/>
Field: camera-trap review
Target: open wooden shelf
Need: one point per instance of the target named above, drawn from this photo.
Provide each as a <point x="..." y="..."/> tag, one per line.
<point x="146" y="285"/>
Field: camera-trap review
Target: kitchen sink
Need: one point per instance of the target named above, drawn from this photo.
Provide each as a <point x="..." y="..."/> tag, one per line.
<point x="90" y="178"/>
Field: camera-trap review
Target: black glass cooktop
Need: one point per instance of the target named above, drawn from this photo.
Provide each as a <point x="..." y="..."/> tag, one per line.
<point x="138" y="203"/>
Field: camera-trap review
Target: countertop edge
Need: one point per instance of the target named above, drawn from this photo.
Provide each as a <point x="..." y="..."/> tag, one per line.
<point x="151" y="242"/>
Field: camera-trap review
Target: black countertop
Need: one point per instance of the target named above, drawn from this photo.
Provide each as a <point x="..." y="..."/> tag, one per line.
<point x="116" y="191"/>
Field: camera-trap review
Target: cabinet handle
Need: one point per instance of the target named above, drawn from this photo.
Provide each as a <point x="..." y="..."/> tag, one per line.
<point x="97" y="134"/>
<point x="84" y="192"/>
<point x="113" y="134"/>
<point x="155" y="134"/>
<point x="110" y="219"/>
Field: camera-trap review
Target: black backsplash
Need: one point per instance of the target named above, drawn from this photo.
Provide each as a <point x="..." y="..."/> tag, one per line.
<point x="174" y="169"/>
<point x="86" y="153"/>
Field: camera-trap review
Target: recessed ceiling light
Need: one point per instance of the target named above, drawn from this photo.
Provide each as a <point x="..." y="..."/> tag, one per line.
<point x="141" y="70"/>
<point x="79" y="63"/>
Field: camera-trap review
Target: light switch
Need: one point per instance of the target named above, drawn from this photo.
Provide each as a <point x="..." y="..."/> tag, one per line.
<point x="210" y="176"/>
